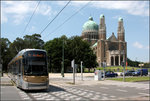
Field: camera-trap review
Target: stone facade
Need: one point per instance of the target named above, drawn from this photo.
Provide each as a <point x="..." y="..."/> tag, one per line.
<point x="112" y="50"/>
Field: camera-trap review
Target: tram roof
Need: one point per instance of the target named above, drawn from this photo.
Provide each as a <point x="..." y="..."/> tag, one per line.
<point x="25" y="50"/>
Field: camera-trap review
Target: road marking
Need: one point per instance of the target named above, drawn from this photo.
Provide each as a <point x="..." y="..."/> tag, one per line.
<point x="112" y="96"/>
<point x="104" y="87"/>
<point x="122" y="90"/>
<point x="26" y="98"/>
<point x="104" y="94"/>
<point x="144" y="94"/>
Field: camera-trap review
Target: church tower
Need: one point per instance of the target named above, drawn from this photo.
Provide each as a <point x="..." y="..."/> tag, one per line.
<point x="121" y="31"/>
<point x="102" y="28"/>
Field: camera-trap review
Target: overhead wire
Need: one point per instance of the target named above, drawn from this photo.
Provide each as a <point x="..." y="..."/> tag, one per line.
<point x="69" y="17"/>
<point x="31" y="16"/>
<point x="55" y="17"/>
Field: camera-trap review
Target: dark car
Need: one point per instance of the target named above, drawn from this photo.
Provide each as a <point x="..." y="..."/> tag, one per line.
<point x="128" y="73"/>
<point x="140" y="72"/>
<point x="110" y="74"/>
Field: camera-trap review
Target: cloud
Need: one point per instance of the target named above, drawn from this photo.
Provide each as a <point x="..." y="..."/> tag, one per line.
<point x="3" y="17"/>
<point x="32" y="29"/>
<point x="117" y="16"/>
<point x="132" y="7"/>
<point x="61" y="3"/>
<point x="19" y="10"/>
<point x="44" y="9"/>
<point x="147" y="47"/>
<point x="139" y="45"/>
<point x="140" y="8"/>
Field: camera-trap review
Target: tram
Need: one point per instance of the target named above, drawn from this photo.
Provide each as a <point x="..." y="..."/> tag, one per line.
<point x="29" y="70"/>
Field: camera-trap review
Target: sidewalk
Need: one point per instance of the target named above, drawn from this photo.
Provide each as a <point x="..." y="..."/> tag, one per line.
<point x="8" y="91"/>
<point x="5" y="81"/>
<point x="58" y="75"/>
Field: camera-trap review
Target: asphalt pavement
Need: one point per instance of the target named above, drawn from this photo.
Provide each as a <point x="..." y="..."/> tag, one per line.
<point x="62" y="88"/>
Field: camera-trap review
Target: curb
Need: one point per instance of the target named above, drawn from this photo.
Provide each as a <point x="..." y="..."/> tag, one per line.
<point x="6" y="84"/>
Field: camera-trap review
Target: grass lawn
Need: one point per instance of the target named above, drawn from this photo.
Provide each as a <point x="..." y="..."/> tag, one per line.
<point x="113" y="68"/>
<point x="132" y="79"/>
<point x="117" y="68"/>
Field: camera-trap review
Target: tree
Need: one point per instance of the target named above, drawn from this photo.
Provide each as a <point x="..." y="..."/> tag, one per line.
<point x="17" y="46"/>
<point x="133" y="63"/>
<point x="5" y="52"/>
<point x="33" y="41"/>
<point x="54" y="51"/>
<point x="80" y="51"/>
<point x="74" y="48"/>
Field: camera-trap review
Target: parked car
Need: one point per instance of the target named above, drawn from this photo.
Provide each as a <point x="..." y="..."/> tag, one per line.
<point x="110" y="74"/>
<point x="141" y="72"/>
<point x="128" y="73"/>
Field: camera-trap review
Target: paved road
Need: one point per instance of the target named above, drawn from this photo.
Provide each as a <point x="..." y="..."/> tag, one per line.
<point x="63" y="89"/>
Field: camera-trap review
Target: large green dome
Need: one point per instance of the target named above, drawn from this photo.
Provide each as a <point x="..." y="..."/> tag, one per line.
<point x="90" y="25"/>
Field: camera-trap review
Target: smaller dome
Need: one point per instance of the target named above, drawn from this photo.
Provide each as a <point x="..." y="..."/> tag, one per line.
<point x="90" y="18"/>
<point x="120" y="19"/>
<point x="102" y="16"/>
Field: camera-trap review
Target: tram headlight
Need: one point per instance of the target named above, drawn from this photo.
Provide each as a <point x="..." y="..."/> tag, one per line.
<point x="25" y="79"/>
<point x="47" y="79"/>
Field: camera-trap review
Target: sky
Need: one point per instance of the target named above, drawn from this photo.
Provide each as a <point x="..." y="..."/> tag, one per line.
<point x="15" y="16"/>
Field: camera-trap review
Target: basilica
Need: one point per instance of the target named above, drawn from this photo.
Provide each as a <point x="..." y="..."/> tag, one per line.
<point x="111" y="50"/>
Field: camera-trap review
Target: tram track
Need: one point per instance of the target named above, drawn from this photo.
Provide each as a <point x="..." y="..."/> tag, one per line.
<point x="66" y="90"/>
<point x="61" y="86"/>
<point x="31" y="97"/>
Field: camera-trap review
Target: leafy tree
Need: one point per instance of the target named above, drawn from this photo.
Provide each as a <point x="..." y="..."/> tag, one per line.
<point x="33" y="41"/>
<point x="74" y="48"/>
<point x="54" y="52"/>
<point x="5" y="52"/>
<point x="133" y="63"/>
<point x="147" y="65"/>
<point x="29" y="41"/>
<point x="17" y="46"/>
<point x="80" y="51"/>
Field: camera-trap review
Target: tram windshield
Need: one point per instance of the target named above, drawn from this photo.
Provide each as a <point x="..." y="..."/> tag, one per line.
<point x="35" y="63"/>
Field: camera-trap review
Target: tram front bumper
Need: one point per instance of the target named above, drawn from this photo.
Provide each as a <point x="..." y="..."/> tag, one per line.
<point x="36" y="86"/>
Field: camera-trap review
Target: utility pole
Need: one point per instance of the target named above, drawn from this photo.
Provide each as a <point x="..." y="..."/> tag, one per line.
<point x="73" y="66"/>
<point x="62" y="71"/>
<point x="81" y="71"/>
<point x="104" y="65"/>
<point x="1" y="67"/>
<point x="124" y="71"/>
<point x="123" y="65"/>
